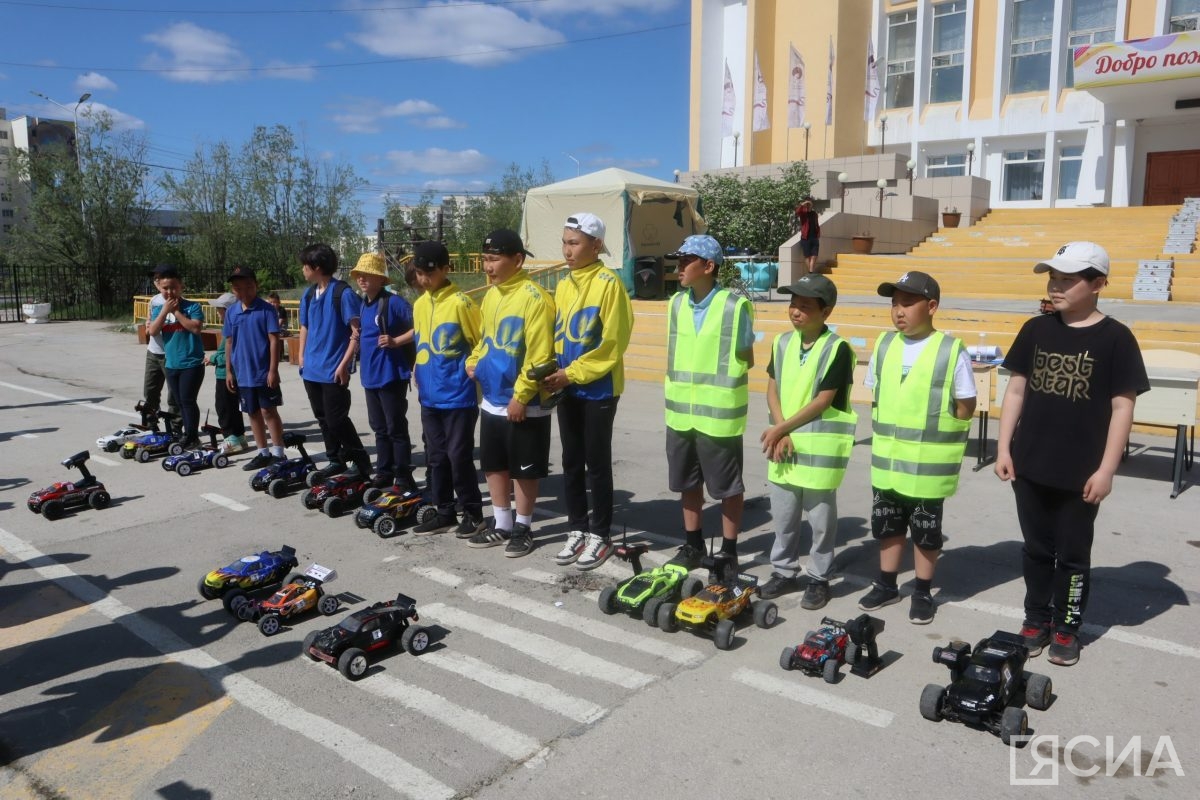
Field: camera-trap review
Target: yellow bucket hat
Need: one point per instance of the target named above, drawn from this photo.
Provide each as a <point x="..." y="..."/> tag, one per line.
<point x="370" y="264"/>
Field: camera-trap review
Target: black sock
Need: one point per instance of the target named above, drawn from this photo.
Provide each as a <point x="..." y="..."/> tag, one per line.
<point x="696" y="539"/>
<point x="922" y="586"/>
<point x="729" y="546"/>
<point x="887" y="579"/>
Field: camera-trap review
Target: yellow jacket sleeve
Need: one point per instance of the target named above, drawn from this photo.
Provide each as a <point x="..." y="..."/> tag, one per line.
<point x="616" y="324"/>
<point x="539" y="342"/>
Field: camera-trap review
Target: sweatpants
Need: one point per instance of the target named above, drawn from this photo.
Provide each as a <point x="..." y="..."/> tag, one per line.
<point x="153" y="379"/>
<point x="330" y="404"/>
<point x="184" y="385"/>
<point x="450" y="460"/>
<point x="387" y="414"/>
<point x="788" y="506"/>
<point x="585" y="428"/>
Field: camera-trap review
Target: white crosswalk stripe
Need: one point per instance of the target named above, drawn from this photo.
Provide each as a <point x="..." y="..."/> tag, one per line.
<point x="798" y="692"/>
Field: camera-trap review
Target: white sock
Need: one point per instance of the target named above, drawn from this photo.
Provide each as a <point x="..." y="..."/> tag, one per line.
<point x="503" y="518"/>
<point x="277" y="451"/>
<point x="262" y="451"/>
<point x="525" y="519"/>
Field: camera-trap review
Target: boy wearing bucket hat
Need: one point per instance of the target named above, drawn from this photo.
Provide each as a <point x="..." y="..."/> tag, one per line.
<point x="1066" y="418"/>
<point x="385" y="366"/>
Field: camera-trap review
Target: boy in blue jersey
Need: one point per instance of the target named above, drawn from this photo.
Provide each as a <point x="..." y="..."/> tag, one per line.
<point x="446" y="327"/>
<point x="592" y="324"/>
<point x="329" y="332"/>
<point x="252" y="349"/>
<point x="385" y="370"/>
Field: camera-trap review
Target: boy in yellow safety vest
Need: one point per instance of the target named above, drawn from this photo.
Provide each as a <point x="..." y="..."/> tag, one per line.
<point x="809" y="441"/>
<point x="923" y="399"/>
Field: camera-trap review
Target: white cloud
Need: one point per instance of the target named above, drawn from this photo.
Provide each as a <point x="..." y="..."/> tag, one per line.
<point x="120" y="120"/>
<point x="366" y="115"/>
<point x="477" y="35"/>
<point x="438" y="161"/>
<point x="602" y="8"/>
<point x="286" y="71"/>
<point x="94" y="82"/>
<point x="438" y="123"/>
<point x="623" y="163"/>
<point x="196" y="55"/>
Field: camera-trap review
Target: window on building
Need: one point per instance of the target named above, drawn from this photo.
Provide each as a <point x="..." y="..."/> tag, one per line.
<point x="1070" y="162"/>
<point x="3" y="134"/>
<point x="1032" y="37"/>
<point x="5" y="197"/>
<point x="950" y="166"/>
<point x="1023" y="171"/>
<point x="7" y="212"/>
<point x="949" y="43"/>
<point x="1092" y="22"/>
<point x="8" y="228"/>
<point x="1185" y="15"/>
<point x="901" y="59"/>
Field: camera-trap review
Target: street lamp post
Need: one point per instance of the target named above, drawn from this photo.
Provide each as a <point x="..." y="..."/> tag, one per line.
<point x="576" y="160"/>
<point x="736" y="136"/>
<point x="83" y="98"/>
<point x="882" y="184"/>
<point x="842" y="178"/>
<point x="807" y="127"/>
<point x="677" y="174"/>
<point x="882" y="134"/>
<point x="970" y="157"/>
<point x="912" y="165"/>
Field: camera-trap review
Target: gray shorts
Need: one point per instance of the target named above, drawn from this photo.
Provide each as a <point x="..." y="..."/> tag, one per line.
<point x="695" y="459"/>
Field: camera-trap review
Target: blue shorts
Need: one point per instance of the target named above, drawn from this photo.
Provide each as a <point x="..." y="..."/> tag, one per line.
<point x="255" y="398"/>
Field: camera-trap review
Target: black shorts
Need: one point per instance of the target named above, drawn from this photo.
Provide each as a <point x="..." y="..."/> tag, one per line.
<point x="810" y="247"/>
<point x="895" y="515"/>
<point x="255" y="398"/>
<point x="519" y="448"/>
<point x="695" y="459"/>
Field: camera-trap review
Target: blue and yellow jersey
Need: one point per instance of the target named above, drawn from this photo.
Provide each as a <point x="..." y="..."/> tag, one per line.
<point x="592" y="326"/>
<point x="518" y="333"/>
<point x="446" y="328"/>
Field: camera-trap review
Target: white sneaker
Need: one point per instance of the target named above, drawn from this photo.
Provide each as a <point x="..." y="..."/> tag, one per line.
<point x="572" y="549"/>
<point x="596" y="552"/>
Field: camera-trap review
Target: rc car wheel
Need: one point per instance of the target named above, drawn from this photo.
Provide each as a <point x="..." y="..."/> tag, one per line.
<point x="126" y="453"/>
<point x="245" y="610"/>
<point x="306" y="499"/>
<point x="295" y="576"/>
<point x="99" y="500"/>
<point x="232" y="600"/>
<point x="650" y="611"/>
<point x="384" y="527"/>
<point x="1014" y="722"/>
<point x="333" y="507"/>
<point x="415" y="640"/>
<point x="220" y="461"/>
<point x="666" y="618"/>
<point x="353" y="663"/>
<point x="852" y="654"/>
<point x="426" y="514"/>
<point x="691" y="586"/>
<point x="785" y="658"/>
<point x="766" y="614"/>
<point x="277" y="488"/>
<point x="1038" y="689"/>
<point x="931" y="702"/>
<point x="206" y="591"/>
<point x="183" y="470"/>
<point x="309" y="641"/>
<point x="111" y="447"/>
<point x="723" y="634"/>
<point x="35" y="507"/>
<point x="371" y="495"/>
<point x="175" y="449"/>
<point x="937" y="655"/>
<point x="269" y="625"/>
<point x="608" y="600"/>
<point x="311" y="479"/>
<point x="142" y="456"/>
<point x="52" y="509"/>
<point x="328" y="604"/>
<point x="831" y="669"/>
<point x="167" y="465"/>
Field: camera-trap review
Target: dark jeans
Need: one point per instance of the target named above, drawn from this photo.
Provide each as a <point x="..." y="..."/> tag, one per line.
<point x="184" y="385"/>
<point x="229" y="414"/>
<point x="387" y="414"/>
<point x="450" y="459"/>
<point x="1058" y="527"/>
<point x="585" y="428"/>
<point x="152" y="383"/>
<point x="331" y="406"/>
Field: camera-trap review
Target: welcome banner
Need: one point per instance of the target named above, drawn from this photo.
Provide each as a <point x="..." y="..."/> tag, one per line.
<point x="1159" y="58"/>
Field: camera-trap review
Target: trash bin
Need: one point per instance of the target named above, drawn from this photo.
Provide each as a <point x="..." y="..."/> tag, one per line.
<point x="648" y="278"/>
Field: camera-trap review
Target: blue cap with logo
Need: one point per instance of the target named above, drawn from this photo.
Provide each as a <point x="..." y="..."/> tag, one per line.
<point x="702" y="245"/>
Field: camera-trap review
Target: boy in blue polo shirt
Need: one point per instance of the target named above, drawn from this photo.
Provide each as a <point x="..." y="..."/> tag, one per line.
<point x="252" y="348"/>
<point x="329" y="330"/>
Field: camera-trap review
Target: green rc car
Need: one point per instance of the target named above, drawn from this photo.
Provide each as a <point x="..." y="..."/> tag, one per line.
<point x="647" y="590"/>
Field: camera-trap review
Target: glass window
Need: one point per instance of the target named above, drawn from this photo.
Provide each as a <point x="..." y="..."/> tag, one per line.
<point x="946" y="62"/>
<point x="949" y="166"/>
<point x="1185" y="15"/>
<point x="1092" y="22"/>
<point x="8" y="212"/>
<point x="3" y="134"/>
<point x="1029" y="52"/>
<point x="1023" y="170"/>
<point x="1070" y="161"/>
<point x="8" y="228"/>
<point x="901" y="60"/>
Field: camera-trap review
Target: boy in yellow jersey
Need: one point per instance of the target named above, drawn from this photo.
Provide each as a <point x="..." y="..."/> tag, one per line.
<point x="923" y="399"/>
<point x="809" y="440"/>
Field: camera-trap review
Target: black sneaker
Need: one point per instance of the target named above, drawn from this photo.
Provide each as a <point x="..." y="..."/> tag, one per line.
<point x="354" y="472"/>
<point x="381" y="481"/>
<point x="688" y="556"/>
<point x="520" y="543"/>
<point x="1064" y="649"/>
<point x="724" y="568"/>
<point x="435" y="525"/>
<point x="191" y="444"/>
<point x="816" y="595"/>
<point x="1036" y="637"/>
<point x="328" y="471"/>
<point x="258" y="462"/>
<point x="777" y="586"/>
<point x="489" y="537"/>
<point x="469" y="526"/>
<point x="921" y="609"/>
<point x="878" y="597"/>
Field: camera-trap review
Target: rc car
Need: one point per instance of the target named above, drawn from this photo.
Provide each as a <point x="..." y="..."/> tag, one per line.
<point x="824" y="650"/>
<point x="339" y="493"/>
<point x="301" y="593"/>
<point x="540" y="372"/>
<point x="248" y="574"/>
<point x="386" y="512"/>
<point x="280" y="478"/>
<point x="112" y="443"/>
<point x="647" y="590"/>
<point x="715" y="609"/>
<point x="52" y="501"/>
<point x="988" y="686"/>
<point x="186" y="463"/>
<point x="370" y="630"/>
<point x="156" y="442"/>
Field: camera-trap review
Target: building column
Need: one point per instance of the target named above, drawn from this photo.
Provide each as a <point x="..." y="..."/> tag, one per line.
<point x="1124" y="147"/>
<point x="1097" y="171"/>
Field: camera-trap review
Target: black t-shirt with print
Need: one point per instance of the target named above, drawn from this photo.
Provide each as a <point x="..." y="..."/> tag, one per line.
<point x="1071" y="375"/>
<point x="839" y="376"/>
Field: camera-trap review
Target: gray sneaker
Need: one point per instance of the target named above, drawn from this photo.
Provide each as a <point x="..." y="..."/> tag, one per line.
<point x="469" y="526"/>
<point x="816" y="595"/>
<point x="520" y="543"/>
<point x="489" y="537"/>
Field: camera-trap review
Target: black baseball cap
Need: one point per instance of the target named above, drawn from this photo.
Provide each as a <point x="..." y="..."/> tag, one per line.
<point x="813" y="285"/>
<point x="243" y="272"/>
<point x="165" y="271"/>
<point x="914" y="283"/>
<point x="430" y="255"/>
<point x="504" y="242"/>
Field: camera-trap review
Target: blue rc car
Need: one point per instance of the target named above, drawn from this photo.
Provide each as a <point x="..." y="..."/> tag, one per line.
<point x="185" y="464"/>
<point x="248" y="574"/>
<point x="280" y="478"/>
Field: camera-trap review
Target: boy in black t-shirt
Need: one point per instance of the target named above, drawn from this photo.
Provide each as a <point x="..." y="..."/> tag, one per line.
<point x="1065" y="421"/>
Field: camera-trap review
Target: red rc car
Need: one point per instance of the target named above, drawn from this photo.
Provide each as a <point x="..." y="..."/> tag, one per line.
<point x="825" y="650"/>
<point x="52" y="501"/>
<point x="339" y="493"/>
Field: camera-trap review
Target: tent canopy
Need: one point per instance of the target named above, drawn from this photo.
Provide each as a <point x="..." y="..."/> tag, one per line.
<point x="644" y="216"/>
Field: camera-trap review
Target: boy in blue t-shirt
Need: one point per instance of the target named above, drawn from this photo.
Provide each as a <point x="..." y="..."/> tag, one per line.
<point x="252" y="364"/>
<point x="179" y="322"/>
<point x="329" y="332"/>
<point x="385" y="368"/>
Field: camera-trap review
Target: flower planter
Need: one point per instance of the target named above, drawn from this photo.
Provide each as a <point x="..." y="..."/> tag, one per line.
<point x="862" y="244"/>
<point x="36" y="313"/>
<point x="950" y="219"/>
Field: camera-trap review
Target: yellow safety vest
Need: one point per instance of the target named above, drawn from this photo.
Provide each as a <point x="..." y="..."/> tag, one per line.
<point x="822" y="446"/>
<point x="917" y="444"/>
<point x="706" y="385"/>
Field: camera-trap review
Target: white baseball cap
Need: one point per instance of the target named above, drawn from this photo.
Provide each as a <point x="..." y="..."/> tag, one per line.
<point x="587" y="223"/>
<point x="1075" y="257"/>
<point x="224" y="301"/>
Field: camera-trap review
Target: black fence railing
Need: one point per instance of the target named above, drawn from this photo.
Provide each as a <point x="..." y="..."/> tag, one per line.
<point x="90" y="293"/>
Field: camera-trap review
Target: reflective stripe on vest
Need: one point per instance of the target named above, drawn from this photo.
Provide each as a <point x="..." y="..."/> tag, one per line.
<point x="715" y="400"/>
<point x="917" y="444"/>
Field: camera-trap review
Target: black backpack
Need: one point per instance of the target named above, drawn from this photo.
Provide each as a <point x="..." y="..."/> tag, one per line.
<point x="408" y="352"/>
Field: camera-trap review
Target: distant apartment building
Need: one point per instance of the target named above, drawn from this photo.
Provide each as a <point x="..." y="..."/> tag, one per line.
<point x="28" y="134"/>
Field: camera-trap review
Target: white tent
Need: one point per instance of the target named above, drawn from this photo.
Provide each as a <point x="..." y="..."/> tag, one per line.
<point x="645" y="217"/>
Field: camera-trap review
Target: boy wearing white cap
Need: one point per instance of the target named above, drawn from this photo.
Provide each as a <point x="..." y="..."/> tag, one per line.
<point x="1066" y="418"/>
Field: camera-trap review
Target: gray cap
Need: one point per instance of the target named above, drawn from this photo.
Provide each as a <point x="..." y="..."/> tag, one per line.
<point x="913" y="282"/>
<point x="813" y="285"/>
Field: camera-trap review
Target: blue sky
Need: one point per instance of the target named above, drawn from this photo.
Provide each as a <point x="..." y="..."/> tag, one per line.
<point x="415" y="94"/>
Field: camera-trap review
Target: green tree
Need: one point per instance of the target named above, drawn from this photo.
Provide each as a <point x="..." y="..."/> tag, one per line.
<point x="753" y="213"/>
<point x="499" y="207"/>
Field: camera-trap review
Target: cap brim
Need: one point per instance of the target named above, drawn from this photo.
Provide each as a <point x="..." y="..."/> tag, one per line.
<point x="887" y="289"/>
<point x="1066" y="265"/>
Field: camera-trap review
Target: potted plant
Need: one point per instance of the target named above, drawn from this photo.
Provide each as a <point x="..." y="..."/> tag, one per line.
<point x="862" y="243"/>
<point x="36" y="312"/>
<point x="951" y="217"/>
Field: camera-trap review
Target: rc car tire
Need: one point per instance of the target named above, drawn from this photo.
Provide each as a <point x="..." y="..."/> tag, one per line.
<point x="126" y="453"/>
<point x="650" y="611"/>
<point x="328" y="604"/>
<point x="277" y="488"/>
<point x="852" y="654"/>
<point x="269" y="625"/>
<point x="353" y="663"/>
<point x="831" y="670"/>
<point x="175" y="449"/>
<point x="309" y="641"/>
<point x="52" y="509"/>
<point x="111" y="447"/>
<point x="183" y="470"/>
<point x="1038" y="689"/>
<point x="334" y="507"/>
<point x="426" y="514"/>
<point x="723" y="634"/>
<point x="143" y="455"/>
<point x="937" y="655"/>
<point x="237" y="604"/>
<point x="371" y="495"/>
<point x="931" y="702"/>
<point x="206" y="591"/>
<point x="691" y="587"/>
<point x="167" y="465"/>
<point x="99" y="500"/>
<point x="415" y="640"/>
<point x="311" y="479"/>
<point x="220" y="461"/>
<point x="245" y="611"/>
<point x="306" y="499"/>
<point x="785" y="658"/>
<point x="608" y="600"/>
<point x="766" y="614"/>
<point x="233" y="600"/>
<point x="1013" y="722"/>
<point x="666" y="618"/>
<point x="384" y="527"/>
<point x="295" y="576"/>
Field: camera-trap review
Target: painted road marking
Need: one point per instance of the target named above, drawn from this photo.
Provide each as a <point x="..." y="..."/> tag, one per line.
<point x="798" y="692"/>
<point x="438" y="576"/>
<point x="221" y="500"/>
<point x="108" y="462"/>
<point x="69" y="401"/>
<point x="540" y="648"/>
<point x="551" y="579"/>
<point x="29" y="436"/>
<point x="377" y="761"/>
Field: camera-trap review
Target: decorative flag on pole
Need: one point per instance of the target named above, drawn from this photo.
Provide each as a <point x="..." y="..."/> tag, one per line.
<point x="727" y="103"/>
<point x="760" y="121"/>
<point x="829" y="87"/>
<point x="796" y="90"/>
<point x="871" y="101"/>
